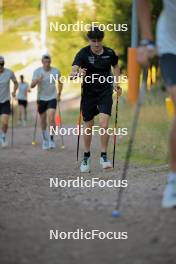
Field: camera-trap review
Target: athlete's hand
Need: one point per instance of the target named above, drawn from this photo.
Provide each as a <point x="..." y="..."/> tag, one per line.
<point x="82" y="72"/>
<point x="144" y="55"/>
<point x="40" y="78"/>
<point x="13" y="94"/>
<point x="118" y="89"/>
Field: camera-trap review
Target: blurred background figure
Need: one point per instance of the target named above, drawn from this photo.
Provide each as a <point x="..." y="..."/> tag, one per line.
<point x="5" y="76"/>
<point x="23" y="89"/>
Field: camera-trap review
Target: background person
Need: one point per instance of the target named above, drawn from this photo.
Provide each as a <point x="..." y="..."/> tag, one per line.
<point x="47" y="97"/>
<point x="23" y="89"/>
<point x="5" y="76"/>
<point x="166" y="48"/>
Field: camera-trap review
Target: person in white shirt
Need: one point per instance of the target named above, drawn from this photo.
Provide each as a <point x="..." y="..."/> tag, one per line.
<point x="23" y="89"/>
<point x="6" y="76"/>
<point x="45" y="78"/>
<point x="166" y="49"/>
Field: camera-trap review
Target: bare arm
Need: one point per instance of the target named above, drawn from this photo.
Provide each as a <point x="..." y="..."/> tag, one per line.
<point x="36" y="81"/>
<point x="146" y="50"/>
<point x="74" y="72"/>
<point x="144" y="14"/>
<point x="15" y="87"/>
<point x="116" y="73"/>
<point x="60" y="88"/>
<point x="77" y="72"/>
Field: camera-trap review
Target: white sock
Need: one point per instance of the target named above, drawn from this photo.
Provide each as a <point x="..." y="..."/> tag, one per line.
<point x="45" y="134"/>
<point x="172" y="176"/>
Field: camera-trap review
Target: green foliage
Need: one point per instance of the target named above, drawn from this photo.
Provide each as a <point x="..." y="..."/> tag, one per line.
<point x="119" y="12"/>
<point x="12" y="42"/>
<point x="116" y="12"/>
<point x="70" y="14"/>
<point x="60" y="43"/>
<point x="65" y="44"/>
<point x="111" y="11"/>
<point x="18" y="8"/>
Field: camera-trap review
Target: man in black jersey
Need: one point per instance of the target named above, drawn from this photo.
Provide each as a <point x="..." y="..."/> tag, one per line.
<point x="94" y="63"/>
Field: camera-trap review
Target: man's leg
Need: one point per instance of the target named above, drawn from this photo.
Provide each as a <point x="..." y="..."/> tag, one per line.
<point x="104" y="139"/>
<point x="104" y="123"/>
<point x="25" y="113"/>
<point x="51" y="122"/>
<point x="51" y="117"/>
<point x="43" y="122"/>
<point x="172" y="140"/>
<point x="51" y="111"/>
<point x="85" y="164"/>
<point x="169" y="197"/>
<point x="22" y="108"/>
<point x="4" y="122"/>
<point x="168" y="65"/>
<point x="20" y="112"/>
<point x="88" y="138"/>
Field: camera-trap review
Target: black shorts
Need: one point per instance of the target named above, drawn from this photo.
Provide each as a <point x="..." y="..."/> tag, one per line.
<point x="5" y="108"/>
<point x="94" y="104"/>
<point x="22" y="102"/>
<point x="43" y="106"/>
<point x="168" y="68"/>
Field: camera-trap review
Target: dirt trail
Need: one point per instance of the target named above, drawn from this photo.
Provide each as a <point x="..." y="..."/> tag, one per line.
<point x="29" y="209"/>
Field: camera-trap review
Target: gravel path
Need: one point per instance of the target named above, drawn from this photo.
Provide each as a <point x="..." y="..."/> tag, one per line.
<point x="29" y="208"/>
